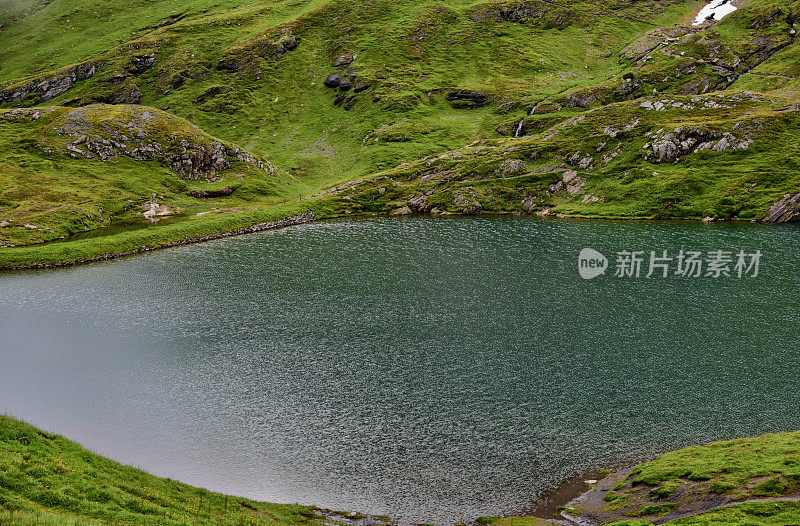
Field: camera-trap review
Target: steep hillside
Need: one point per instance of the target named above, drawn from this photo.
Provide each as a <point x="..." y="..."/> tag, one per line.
<point x="595" y="108"/>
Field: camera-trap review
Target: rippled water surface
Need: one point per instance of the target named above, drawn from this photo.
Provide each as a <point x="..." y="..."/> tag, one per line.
<point x="425" y="368"/>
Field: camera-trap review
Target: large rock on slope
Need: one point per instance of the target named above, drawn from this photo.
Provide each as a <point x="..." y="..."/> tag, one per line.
<point x="787" y="210"/>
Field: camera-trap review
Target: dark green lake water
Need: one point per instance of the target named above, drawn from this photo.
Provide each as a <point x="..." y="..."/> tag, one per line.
<point x="425" y="368"/>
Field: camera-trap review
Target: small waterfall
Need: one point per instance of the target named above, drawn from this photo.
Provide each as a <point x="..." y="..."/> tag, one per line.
<point x="533" y="110"/>
<point x="518" y="132"/>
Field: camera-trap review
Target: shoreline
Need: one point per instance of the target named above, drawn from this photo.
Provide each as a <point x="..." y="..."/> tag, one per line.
<point x="549" y="504"/>
<point x="308" y="216"/>
<point x="300" y="219"/>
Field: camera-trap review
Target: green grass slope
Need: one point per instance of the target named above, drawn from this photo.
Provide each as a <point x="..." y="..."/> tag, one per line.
<point x="46" y="479"/>
<point x="599" y="88"/>
<point x="749" y="481"/>
<point x="692" y="481"/>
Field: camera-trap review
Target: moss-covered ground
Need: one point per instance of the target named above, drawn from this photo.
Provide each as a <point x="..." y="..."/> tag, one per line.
<point x="435" y="92"/>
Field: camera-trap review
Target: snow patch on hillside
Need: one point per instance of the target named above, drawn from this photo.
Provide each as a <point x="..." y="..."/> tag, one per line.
<point x="717" y="9"/>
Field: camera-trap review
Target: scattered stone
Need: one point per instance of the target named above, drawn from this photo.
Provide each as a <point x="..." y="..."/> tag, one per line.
<point x="333" y="80"/>
<point x="153" y="210"/>
<point x="360" y="86"/>
<point x="343" y="60"/>
<point x="402" y="211"/>
<point x="613" y="132"/>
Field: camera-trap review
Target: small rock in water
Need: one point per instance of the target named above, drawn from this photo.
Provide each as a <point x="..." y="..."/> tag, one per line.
<point x="590" y="481"/>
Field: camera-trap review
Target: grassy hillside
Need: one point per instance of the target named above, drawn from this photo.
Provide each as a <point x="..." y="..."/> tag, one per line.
<point x="753" y="514"/>
<point x="623" y="110"/>
<point x="46" y="479"/>
<point x="750" y="481"/>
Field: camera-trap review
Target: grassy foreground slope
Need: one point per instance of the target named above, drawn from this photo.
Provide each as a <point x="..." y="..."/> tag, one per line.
<point x="592" y="108"/>
<point x="46" y="479"/>
<point x="749" y="481"/>
<point x="776" y="513"/>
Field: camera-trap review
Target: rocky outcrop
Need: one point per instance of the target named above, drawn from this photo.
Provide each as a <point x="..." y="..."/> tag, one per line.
<point x="570" y="181"/>
<point x="419" y="203"/>
<point x="668" y="146"/>
<point x="25" y="114"/>
<point x="468" y="100"/>
<point x="207" y="194"/>
<point x="510" y="168"/>
<point x="544" y="108"/>
<point x="465" y="201"/>
<point x="361" y="85"/>
<point x="543" y="14"/>
<point x="787" y="210"/>
<point x="650" y="41"/>
<point x="154" y="210"/>
<point x="52" y="86"/>
<point x="344" y="59"/>
<point x="140" y="63"/>
<point x="584" y="98"/>
<point x="271" y="46"/>
<point x="147" y="134"/>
